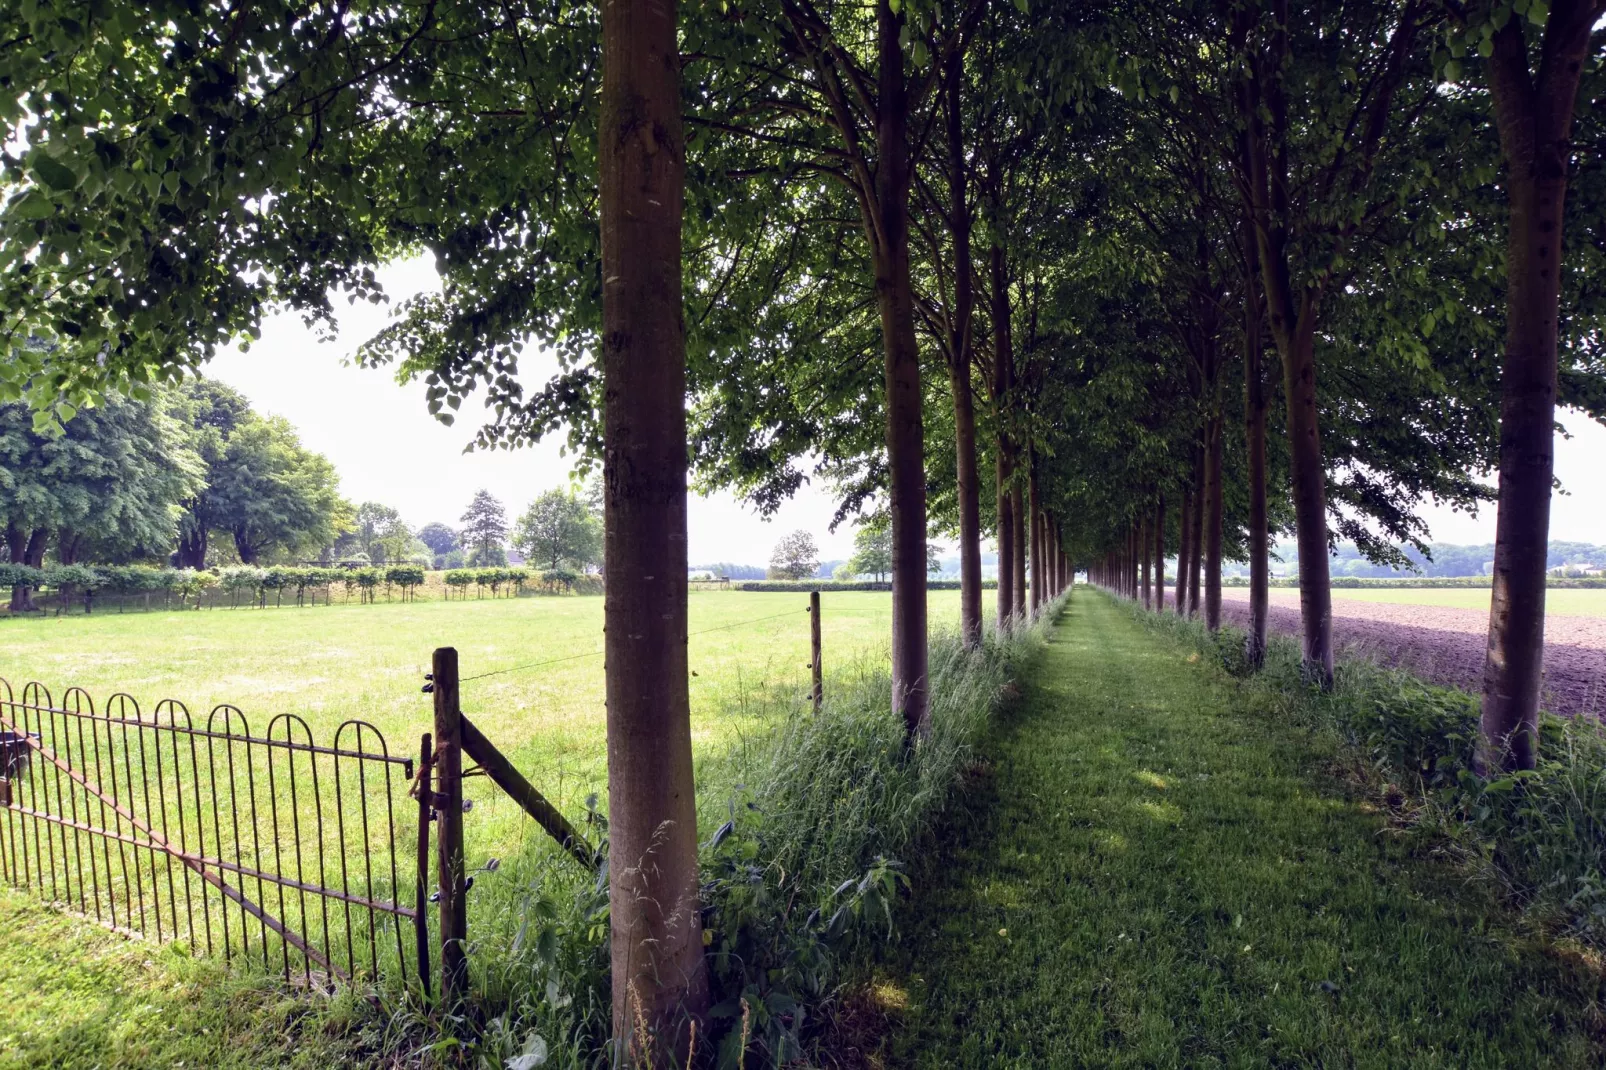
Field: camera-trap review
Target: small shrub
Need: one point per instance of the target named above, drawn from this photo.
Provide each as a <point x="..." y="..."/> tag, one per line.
<point x="460" y="578"/>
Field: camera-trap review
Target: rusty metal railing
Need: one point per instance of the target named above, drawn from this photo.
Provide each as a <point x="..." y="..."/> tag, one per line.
<point x="272" y="847"/>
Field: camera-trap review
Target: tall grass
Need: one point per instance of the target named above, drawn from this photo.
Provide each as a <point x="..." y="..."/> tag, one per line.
<point x="806" y="828"/>
<point x="1539" y="835"/>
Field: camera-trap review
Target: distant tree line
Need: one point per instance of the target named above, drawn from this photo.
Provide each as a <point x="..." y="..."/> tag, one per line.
<point x="1446" y="560"/>
<point x="191" y="478"/>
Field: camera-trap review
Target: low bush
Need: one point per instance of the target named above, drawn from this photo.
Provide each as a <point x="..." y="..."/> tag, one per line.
<point x="1540" y="835"/>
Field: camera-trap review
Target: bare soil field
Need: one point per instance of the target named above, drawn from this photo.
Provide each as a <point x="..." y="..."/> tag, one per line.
<point x="1445" y="644"/>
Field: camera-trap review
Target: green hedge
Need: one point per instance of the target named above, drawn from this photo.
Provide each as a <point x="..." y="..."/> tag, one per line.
<point x="845" y="585"/>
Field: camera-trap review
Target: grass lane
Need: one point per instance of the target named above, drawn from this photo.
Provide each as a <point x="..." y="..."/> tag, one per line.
<point x="1153" y="873"/>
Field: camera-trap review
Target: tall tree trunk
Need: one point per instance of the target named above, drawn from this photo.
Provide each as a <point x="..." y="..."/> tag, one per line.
<point x="25" y="547"/>
<point x="1003" y="398"/>
<point x="68" y="545"/>
<point x="1184" y="550"/>
<point x="1213" y="521"/>
<point x="1196" y="544"/>
<point x="1292" y="317"/>
<point x="192" y="547"/>
<point x="1159" y="554"/>
<point x="1035" y="510"/>
<point x="1143" y="541"/>
<point x="1309" y="479"/>
<point x="1255" y="442"/>
<point x="1018" y="512"/>
<point x="905" y="433"/>
<point x="959" y="367"/>
<point x="660" y="978"/>
<point x="1534" y="114"/>
<point x="1006" y="543"/>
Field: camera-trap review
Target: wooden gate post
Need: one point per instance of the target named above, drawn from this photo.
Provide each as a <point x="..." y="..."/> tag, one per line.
<point x="449" y="828"/>
<point x="818" y="693"/>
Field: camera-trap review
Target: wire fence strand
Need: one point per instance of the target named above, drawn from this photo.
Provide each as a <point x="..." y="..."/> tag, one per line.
<point x="598" y="653"/>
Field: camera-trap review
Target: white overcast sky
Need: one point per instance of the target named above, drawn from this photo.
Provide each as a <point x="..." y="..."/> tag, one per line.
<point x="388" y="448"/>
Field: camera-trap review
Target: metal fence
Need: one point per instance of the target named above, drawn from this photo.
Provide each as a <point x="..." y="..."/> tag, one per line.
<point x="272" y="847"/>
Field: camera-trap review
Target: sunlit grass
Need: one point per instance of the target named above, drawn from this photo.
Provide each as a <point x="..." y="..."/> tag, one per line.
<point x="1159" y="872"/>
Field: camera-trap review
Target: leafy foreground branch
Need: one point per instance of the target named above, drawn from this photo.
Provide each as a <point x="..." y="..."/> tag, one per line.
<point x="1539" y="834"/>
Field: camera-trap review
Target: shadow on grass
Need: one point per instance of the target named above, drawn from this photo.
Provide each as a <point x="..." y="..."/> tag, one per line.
<point x="1153" y="873"/>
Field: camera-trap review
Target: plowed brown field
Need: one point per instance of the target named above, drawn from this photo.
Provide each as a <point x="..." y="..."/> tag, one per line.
<point x="1446" y="645"/>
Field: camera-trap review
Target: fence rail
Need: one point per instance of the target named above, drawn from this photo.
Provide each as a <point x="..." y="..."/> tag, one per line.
<point x="273" y="847"/>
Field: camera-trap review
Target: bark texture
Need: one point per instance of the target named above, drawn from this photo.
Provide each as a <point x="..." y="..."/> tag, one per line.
<point x="1212" y="522"/>
<point x="1255" y="449"/>
<point x="660" y="980"/>
<point x="905" y="431"/>
<point x="1003" y="397"/>
<point x="1534" y="114"/>
<point x="959" y="365"/>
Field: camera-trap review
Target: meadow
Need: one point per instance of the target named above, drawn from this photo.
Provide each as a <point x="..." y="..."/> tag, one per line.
<point x="543" y="707"/>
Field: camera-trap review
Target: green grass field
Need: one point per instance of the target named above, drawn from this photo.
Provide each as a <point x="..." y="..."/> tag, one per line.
<point x="78" y="995"/>
<point x="333" y="663"/>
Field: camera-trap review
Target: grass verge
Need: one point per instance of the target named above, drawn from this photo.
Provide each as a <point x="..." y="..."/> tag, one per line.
<point x="1161" y="870"/>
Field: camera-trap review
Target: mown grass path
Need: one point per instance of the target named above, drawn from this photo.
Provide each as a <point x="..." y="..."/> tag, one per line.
<point x="1154" y="873"/>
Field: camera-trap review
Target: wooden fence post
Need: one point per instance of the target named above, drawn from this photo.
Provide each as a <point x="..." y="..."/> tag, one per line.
<point x="449" y="828"/>
<point x="818" y="693"/>
<point x="426" y="793"/>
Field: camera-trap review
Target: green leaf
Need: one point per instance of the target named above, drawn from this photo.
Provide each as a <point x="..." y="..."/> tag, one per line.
<point x="54" y="173"/>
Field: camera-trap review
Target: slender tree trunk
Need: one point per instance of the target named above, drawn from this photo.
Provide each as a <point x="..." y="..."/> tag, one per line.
<point x="1255" y="436"/>
<point x="25" y="547"/>
<point x="959" y="367"/>
<point x="1184" y="550"/>
<point x="905" y="433"/>
<point x="1213" y="521"/>
<point x="1035" y="510"/>
<point x="1018" y="504"/>
<point x="1143" y="541"/>
<point x="1310" y="504"/>
<point x="660" y="979"/>
<point x="1534" y="115"/>
<point x="1196" y="544"/>
<point x="192" y="548"/>
<point x="1159" y="554"/>
<point x="1292" y="316"/>
<point x="1003" y="398"/>
<point x="1006" y="544"/>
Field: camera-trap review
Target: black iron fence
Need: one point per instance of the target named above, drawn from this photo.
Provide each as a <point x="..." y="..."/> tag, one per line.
<point x="274" y="847"/>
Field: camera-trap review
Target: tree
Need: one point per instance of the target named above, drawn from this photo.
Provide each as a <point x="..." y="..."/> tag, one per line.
<point x="272" y="495"/>
<point x="261" y="487"/>
<point x="107" y="486"/>
<point x="558" y="527"/>
<point x="795" y="557"/>
<point x="440" y="539"/>
<point x="872" y="551"/>
<point x="484" y="524"/>
<point x="377" y="525"/>
<point x="660" y="977"/>
<point x="1533" y="104"/>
